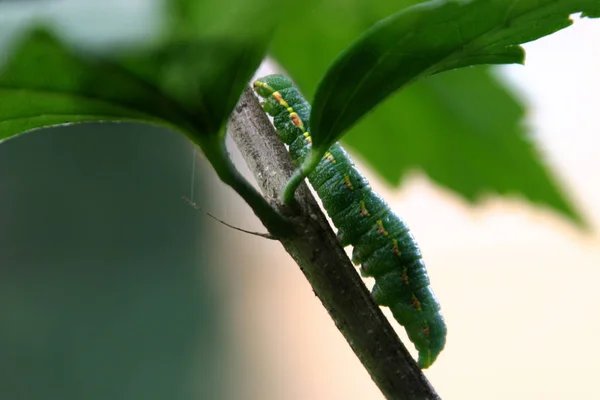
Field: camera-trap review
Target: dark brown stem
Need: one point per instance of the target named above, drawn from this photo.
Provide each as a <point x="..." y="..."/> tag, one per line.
<point x="323" y="261"/>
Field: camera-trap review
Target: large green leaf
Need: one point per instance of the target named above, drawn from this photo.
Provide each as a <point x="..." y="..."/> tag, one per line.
<point x="459" y="127"/>
<point x="393" y="142"/>
<point x="43" y="84"/>
<point x="205" y="76"/>
<point x="305" y="52"/>
<point x="189" y="86"/>
<point x="427" y="39"/>
<point x="188" y="80"/>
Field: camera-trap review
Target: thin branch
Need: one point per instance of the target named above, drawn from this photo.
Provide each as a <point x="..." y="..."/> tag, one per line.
<point x="323" y="261"/>
<point x="197" y="207"/>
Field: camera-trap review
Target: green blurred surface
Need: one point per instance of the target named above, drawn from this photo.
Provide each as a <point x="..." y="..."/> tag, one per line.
<point x="103" y="293"/>
<point x="458" y="127"/>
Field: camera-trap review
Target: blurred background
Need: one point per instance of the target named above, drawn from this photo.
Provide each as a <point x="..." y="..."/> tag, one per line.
<point x="112" y="287"/>
<point x="105" y="287"/>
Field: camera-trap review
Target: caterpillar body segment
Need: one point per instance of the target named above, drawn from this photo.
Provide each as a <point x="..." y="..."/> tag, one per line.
<point x="382" y="243"/>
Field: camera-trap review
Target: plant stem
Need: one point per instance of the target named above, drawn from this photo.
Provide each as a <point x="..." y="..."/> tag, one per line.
<point x="292" y="185"/>
<point x="216" y="153"/>
<point x="324" y="263"/>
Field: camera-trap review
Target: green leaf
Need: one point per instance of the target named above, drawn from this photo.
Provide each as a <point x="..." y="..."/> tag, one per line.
<point x="43" y="84"/>
<point x="189" y="86"/>
<point x="205" y="77"/>
<point x="189" y="79"/>
<point x="307" y="53"/>
<point x="427" y="39"/>
<point x="460" y="129"/>
<point x="193" y="18"/>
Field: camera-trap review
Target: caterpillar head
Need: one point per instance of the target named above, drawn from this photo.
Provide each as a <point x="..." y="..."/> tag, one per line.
<point x="267" y="85"/>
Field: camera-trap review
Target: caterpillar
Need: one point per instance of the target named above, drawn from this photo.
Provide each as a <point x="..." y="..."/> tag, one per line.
<point x="382" y="243"/>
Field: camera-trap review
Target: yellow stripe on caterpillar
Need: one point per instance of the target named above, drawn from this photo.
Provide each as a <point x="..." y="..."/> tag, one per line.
<point x="347" y="182"/>
<point x="329" y="157"/>
<point x="307" y="137"/>
<point x="280" y="99"/>
<point x="416" y="303"/>
<point x="363" y="209"/>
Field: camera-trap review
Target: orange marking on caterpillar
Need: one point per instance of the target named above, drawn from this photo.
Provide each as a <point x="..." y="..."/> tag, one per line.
<point x="329" y="157"/>
<point x="404" y="276"/>
<point x="426" y="329"/>
<point x="347" y="182"/>
<point x="395" y="248"/>
<point x="307" y="137"/>
<point x="280" y="100"/>
<point x="363" y="209"/>
<point x="380" y="228"/>
<point x="297" y="121"/>
<point x="416" y="303"/>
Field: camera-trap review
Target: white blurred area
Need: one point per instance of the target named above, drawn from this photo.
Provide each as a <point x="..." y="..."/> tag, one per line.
<point x="88" y="24"/>
<point x="517" y="283"/>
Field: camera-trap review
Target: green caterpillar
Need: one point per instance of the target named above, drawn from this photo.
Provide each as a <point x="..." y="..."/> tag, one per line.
<point x="382" y="242"/>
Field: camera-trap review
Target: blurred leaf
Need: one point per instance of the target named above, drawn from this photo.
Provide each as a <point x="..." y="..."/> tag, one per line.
<point x="205" y="76"/>
<point x="188" y="86"/>
<point x="223" y="18"/>
<point x="424" y="40"/>
<point x="306" y="55"/>
<point x="43" y="84"/>
<point x="459" y="127"/>
<point x="189" y="81"/>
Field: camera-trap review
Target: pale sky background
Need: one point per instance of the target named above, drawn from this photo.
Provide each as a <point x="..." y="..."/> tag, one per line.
<point x="517" y="283"/>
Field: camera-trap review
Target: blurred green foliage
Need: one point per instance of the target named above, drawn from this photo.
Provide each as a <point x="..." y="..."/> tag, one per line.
<point x="104" y="284"/>
<point x="425" y="40"/>
<point x="463" y="129"/>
